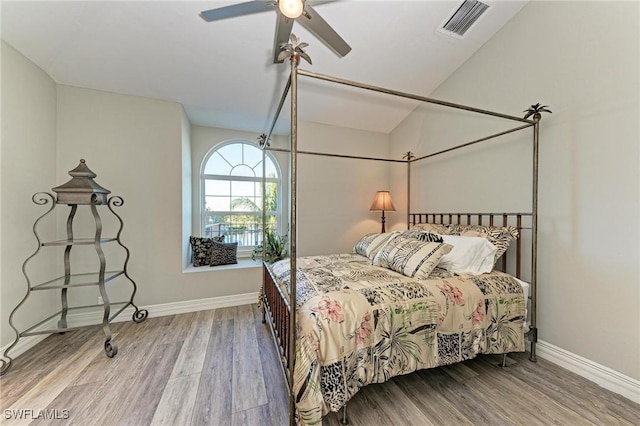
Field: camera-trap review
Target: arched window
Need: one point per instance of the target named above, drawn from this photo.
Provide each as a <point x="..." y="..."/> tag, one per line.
<point x="231" y="182"/>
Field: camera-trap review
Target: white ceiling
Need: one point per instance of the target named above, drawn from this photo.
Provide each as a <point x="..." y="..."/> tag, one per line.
<point x="222" y="71"/>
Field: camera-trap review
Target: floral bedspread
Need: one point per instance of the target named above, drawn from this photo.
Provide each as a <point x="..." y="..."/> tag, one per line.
<point x="359" y="324"/>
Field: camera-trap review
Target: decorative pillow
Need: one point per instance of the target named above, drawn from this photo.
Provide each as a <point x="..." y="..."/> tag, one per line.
<point x="201" y="248"/>
<point x="470" y="255"/>
<point x="224" y="254"/>
<point x="411" y="257"/>
<point x="370" y="244"/>
<point x="434" y="228"/>
<point x="423" y="236"/>
<point x="500" y="236"/>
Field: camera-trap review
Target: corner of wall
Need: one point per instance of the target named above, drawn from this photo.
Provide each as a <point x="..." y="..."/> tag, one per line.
<point x="186" y="188"/>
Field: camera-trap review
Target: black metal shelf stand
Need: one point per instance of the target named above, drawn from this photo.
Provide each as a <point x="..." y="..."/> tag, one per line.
<point x="69" y="280"/>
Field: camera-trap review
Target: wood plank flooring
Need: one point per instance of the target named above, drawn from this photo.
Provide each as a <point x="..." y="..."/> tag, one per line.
<point x="219" y="367"/>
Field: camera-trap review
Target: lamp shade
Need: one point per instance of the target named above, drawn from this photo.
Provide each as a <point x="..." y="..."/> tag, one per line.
<point x="382" y="201"/>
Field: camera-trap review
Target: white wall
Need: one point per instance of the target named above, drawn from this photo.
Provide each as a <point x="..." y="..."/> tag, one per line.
<point x="187" y="188"/>
<point x="27" y="166"/>
<point x="334" y="194"/>
<point x="582" y="59"/>
<point x="137" y="148"/>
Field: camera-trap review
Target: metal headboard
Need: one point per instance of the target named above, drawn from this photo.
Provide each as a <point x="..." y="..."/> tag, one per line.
<point x="520" y="221"/>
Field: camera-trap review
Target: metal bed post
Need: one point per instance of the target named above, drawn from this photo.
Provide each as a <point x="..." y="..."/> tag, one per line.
<point x="409" y="157"/>
<point x="264" y="142"/>
<point x="534" y="241"/>
<point x="408" y="187"/>
<point x="295" y="61"/>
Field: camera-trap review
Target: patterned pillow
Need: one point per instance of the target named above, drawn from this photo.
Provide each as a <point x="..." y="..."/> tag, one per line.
<point x="434" y="228"/>
<point x="499" y="236"/>
<point x="224" y="254"/>
<point x="411" y="257"/>
<point x="370" y="244"/>
<point x="201" y="248"/>
<point x="423" y="236"/>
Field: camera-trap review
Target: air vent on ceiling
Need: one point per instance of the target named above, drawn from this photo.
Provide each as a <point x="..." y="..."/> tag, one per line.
<point x="463" y="18"/>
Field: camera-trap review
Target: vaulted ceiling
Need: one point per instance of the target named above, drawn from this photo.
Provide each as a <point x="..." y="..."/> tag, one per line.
<point x="222" y="71"/>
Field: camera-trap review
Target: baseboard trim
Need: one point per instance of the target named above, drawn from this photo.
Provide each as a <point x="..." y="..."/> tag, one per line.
<point x="201" y="304"/>
<point x="160" y="310"/>
<point x="599" y="374"/>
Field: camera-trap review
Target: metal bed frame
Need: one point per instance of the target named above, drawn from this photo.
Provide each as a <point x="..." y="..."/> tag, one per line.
<point x="277" y="306"/>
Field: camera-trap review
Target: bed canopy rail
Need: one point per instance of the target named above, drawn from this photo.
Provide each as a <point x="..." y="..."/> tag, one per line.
<point x="410" y="96"/>
<point x="325" y="154"/>
<point x="264" y="138"/>
<point x="464" y="145"/>
<point x="280" y="307"/>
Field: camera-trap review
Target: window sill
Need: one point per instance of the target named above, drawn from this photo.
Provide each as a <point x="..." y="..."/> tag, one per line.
<point x="242" y="264"/>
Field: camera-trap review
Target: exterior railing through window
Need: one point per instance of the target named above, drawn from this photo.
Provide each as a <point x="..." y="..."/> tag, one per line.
<point x="244" y="235"/>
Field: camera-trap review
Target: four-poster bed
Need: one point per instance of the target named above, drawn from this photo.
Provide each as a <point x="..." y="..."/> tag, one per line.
<point x="344" y="281"/>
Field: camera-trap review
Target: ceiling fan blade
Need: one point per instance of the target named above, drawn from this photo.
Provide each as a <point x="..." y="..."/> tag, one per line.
<point x="239" y="9"/>
<point x="283" y="30"/>
<point x="317" y="2"/>
<point x="312" y="21"/>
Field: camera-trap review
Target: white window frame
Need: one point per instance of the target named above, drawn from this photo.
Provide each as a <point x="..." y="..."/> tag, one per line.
<point x="243" y="251"/>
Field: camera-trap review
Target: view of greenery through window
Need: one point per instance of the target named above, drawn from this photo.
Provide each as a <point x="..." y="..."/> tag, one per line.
<point x="232" y="197"/>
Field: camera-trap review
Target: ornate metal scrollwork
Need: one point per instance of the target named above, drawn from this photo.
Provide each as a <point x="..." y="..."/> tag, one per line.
<point x="110" y="348"/>
<point x="4" y="367"/>
<point x="41" y="199"/>
<point x="140" y="315"/>
<point x="115" y="201"/>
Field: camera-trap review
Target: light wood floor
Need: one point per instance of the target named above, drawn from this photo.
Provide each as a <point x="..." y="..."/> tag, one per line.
<point x="219" y="367"/>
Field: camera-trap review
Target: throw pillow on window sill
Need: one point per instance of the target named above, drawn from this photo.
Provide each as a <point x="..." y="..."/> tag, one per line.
<point x="224" y="254"/>
<point x="202" y="249"/>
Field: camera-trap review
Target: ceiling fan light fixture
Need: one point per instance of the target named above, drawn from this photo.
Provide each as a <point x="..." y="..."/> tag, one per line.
<point x="291" y="8"/>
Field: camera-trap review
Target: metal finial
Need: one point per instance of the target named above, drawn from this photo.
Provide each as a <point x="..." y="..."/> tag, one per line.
<point x="262" y="140"/>
<point x="81" y="189"/>
<point x="535" y="111"/>
<point x="408" y="156"/>
<point x="294" y="49"/>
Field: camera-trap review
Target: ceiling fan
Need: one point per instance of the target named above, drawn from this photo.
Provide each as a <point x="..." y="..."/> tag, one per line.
<point x="288" y="11"/>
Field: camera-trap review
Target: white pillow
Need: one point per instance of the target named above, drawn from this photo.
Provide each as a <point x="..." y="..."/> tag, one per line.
<point x="470" y="255"/>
